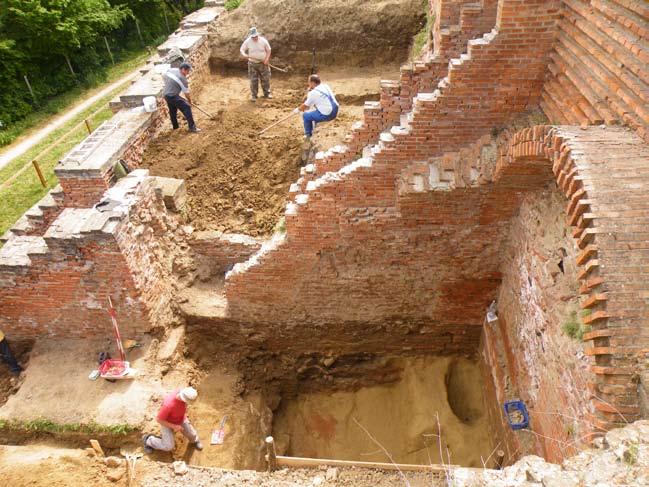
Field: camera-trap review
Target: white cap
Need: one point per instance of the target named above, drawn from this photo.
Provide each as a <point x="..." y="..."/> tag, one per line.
<point x="188" y="394"/>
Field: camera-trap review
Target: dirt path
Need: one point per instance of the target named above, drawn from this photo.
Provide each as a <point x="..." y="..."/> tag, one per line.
<point x="18" y="148"/>
<point x="238" y="181"/>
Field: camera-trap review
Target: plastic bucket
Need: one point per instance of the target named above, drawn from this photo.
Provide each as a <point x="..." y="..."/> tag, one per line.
<point x="150" y="104"/>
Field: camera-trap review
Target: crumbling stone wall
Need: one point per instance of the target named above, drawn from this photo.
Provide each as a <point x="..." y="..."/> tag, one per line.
<point x="64" y="257"/>
<point x="59" y="284"/>
<point x="529" y="354"/>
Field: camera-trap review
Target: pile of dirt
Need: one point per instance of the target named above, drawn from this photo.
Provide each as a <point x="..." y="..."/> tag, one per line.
<point x="343" y="32"/>
<point x="236" y="180"/>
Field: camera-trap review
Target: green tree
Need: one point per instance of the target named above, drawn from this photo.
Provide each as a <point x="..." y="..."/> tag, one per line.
<point x="58" y="26"/>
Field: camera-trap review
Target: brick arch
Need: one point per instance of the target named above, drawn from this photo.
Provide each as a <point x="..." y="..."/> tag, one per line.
<point x="580" y="161"/>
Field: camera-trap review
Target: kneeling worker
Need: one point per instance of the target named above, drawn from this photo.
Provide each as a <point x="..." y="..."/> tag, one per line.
<point x="173" y="417"/>
<point x="175" y="84"/>
<point x="323" y="99"/>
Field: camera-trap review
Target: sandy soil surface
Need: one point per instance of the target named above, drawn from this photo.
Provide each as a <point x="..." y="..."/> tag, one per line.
<point x="401" y="417"/>
<point x="238" y="181"/>
<point x="42" y="465"/>
<point x="56" y="385"/>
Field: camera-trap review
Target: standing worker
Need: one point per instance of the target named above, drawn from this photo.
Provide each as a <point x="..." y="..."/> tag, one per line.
<point x="257" y="50"/>
<point x="173" y="417"/>
<point x="323" y="99"/>
<point x="175" y="84"/>
<point x="8" y="357"/>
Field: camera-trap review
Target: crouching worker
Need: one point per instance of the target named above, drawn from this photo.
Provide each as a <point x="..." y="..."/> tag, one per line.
<point x="173" y="417"/>
<point x="323" y="99"/>
<point x="176" y="83"/>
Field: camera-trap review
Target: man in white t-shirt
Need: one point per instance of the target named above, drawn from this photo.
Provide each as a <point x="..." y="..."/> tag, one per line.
<point x="257" y="50"/>
<point x="323" y="100"/>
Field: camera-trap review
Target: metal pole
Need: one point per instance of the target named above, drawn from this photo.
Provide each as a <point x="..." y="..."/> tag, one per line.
<point x="139" y="33"/>
<point x="109" y="53"/>
<point x="164" y="11"/>
<point x="271" y="456"/>
<point x="39" y="173"/>
<point x="30" y="88"/>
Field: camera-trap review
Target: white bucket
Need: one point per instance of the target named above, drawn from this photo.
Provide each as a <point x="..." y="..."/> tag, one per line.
<point x="150" y="104"/>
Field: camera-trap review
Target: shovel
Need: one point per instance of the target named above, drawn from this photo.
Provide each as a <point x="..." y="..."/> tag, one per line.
<point x="210" y="116"/>
<point x="278" y="122"/>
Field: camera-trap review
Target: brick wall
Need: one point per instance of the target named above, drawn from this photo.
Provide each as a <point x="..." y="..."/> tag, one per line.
<point x="529" y="355"/>
<point x="58" y="284"/>
<point x="456" y="22"/>
<point x="351" y="235"/>
<point x="598" y="72"/>
<point x="216" y="252"/>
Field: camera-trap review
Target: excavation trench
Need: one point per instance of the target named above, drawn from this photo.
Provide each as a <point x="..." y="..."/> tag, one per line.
<point x="349" y="407"/>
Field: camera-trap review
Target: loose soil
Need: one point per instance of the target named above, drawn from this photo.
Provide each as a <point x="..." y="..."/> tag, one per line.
<point x="238" y="181"/>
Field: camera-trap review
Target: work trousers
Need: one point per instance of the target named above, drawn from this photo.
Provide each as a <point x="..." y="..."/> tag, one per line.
<point x="166" y="440"/>
<point x="311" y="118"/>
<point x="256" y="72"/>
<point x="176" y="103"/>
<point x="8" y="357"/>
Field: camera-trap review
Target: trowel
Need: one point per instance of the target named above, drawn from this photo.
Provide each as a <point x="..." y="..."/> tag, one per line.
<point x="219" y="434"/>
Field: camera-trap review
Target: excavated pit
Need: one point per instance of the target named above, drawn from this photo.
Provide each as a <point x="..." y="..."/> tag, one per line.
<point x="238" y="181"/>
<point x="403" y="417"/>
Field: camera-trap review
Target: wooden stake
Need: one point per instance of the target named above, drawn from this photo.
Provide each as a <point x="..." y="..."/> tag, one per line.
<point x="40" y="173"/>
<point x="29" y="87"/>
<point x="109" y="53"/>
<point x="139" y="33"/>
<point x="271" y="456"/>
<point x="88" y="126"/>
<point x="164" y="11"/>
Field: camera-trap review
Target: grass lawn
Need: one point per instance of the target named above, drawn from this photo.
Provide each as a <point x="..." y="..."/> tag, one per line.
<point x="25" y="190"/>
<point x="62" y="102"/>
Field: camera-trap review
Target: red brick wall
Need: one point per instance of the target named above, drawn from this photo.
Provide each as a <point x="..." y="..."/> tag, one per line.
<point x="598" y="72"/>
<point x="216" y="252"/>
<point x="529" y="355"/>
<point x="64" y="292"/>
<point x="357" y="239"/>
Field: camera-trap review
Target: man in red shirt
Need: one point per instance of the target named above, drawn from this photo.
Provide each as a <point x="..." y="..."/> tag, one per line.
<point x="173" y="417"/>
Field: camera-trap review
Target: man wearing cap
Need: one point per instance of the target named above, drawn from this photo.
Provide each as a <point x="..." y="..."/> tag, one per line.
<point x="176" y="83"/>
<point x="322" y="98"/>
<point x="173" y="417"/>
<point x="8" y="357"/>
<point x="257" y="50"/>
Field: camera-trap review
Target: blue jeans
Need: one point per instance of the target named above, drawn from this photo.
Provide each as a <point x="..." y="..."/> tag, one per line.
<point x="176" y="103"/>
<point x="313" y="117"/>
<point x="8" y="357"/>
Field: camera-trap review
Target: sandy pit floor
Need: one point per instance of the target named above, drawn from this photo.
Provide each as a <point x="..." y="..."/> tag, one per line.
<point x="400" y="417"/>
<point x="237" y="181"/>
<point x="55" y="385"/>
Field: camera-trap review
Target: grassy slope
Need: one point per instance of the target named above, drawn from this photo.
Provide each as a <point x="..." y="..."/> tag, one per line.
<point x="26" y="189"/>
